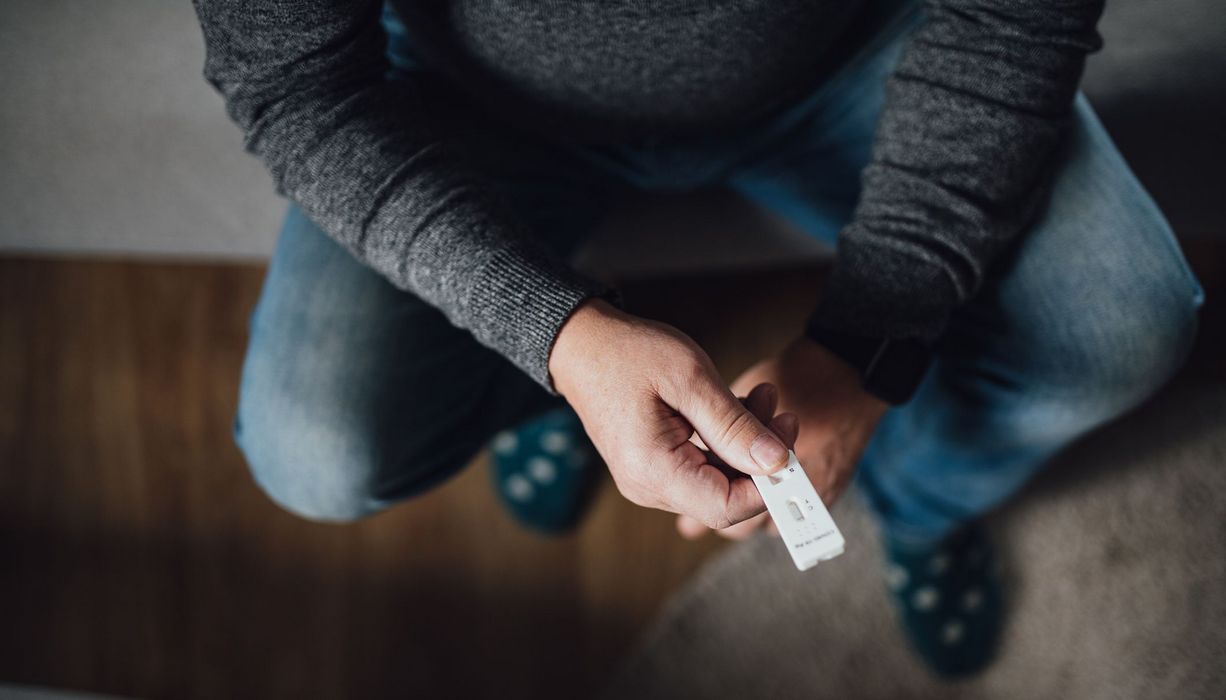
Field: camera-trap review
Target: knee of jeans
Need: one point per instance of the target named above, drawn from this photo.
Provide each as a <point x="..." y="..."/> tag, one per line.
<point x="1126" y="345"/>
<point x="315" y="464"/>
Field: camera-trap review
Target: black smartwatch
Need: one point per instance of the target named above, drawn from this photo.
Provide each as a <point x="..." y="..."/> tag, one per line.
<point x="890" y="368"/>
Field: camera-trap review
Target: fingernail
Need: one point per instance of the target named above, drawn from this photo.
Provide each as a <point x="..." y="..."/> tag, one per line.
<point x="768" y="452"/>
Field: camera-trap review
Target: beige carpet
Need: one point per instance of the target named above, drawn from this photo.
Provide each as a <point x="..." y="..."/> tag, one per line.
<point x="1115" y="567"/>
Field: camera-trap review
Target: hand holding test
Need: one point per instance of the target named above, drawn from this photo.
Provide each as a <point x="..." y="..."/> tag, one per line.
<point x="805" y="525"/>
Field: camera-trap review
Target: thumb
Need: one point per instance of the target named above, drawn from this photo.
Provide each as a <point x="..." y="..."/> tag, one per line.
<point x="730" y="430"/>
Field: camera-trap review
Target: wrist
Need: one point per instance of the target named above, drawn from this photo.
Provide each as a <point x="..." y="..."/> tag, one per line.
<point x="838" y="376"/>
<point x="574" y="339"/>
<point x="888" y="368"/>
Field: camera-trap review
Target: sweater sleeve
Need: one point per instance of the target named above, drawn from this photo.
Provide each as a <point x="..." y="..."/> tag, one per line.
<point x="962" y="155"/>
<point x="306" y="82"/>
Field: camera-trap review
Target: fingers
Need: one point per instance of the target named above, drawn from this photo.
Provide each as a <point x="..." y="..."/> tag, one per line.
<point x="730" y="429"/>
<point x="787" y="427"/>
<point x="690" y="528"/>
<point x="761" y="403"/>
<point x="746" y="528"/>
<point x="700" y="490"/>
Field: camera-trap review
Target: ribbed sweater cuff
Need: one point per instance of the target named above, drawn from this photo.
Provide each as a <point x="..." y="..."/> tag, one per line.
<point x="523" y="300"/>
<point x="879" y="292"/>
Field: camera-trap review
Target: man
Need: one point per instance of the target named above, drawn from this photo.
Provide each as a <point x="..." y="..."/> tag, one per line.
<point x="1001" y="281"/>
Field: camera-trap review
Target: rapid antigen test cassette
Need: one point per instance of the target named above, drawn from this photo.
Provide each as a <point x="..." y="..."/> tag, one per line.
<point x="805" y="525"/>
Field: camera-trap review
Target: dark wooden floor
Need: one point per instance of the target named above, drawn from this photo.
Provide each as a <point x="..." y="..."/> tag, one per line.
<point x="138" y="558"/>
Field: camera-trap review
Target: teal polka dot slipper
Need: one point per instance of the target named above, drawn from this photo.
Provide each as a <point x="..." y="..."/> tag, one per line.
<point x="545" y="471"/>
<point x="948" y="598"/>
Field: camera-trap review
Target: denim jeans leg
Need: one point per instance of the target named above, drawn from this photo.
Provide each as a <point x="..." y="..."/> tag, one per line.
<point x="355" y="394"/>
<point x="1091" y="313"/>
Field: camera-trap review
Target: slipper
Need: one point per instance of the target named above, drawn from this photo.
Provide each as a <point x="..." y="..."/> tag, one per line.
<point x="948" y="598"/>
<point x="544" y="470"/>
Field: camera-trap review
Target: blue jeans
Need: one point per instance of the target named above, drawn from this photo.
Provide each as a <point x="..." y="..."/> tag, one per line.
<point x="356" y="395"/>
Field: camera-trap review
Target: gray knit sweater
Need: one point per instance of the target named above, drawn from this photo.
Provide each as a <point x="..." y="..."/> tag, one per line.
<point x="974" y="113"/>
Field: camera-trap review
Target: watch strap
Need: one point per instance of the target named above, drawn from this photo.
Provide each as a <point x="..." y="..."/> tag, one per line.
<point x="890" y="368"/>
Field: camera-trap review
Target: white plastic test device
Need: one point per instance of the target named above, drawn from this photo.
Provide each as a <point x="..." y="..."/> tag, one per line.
<point x="805" y="525"/>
